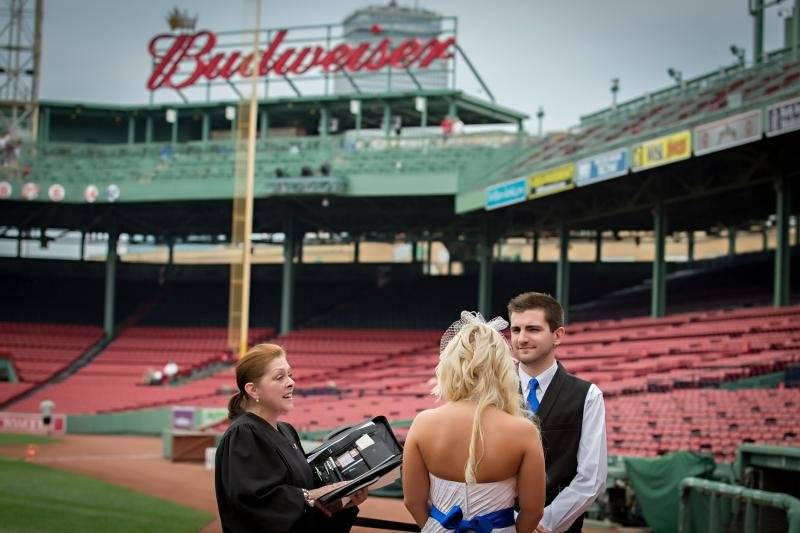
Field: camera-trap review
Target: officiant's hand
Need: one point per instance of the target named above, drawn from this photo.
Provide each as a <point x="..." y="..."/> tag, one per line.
<point x="357" y="498"/>
<point x="317" y="493"/>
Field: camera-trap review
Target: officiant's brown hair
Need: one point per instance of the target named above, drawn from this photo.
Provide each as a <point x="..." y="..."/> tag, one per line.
<point x="553" y="312"/>
<point x="249" y="369"/>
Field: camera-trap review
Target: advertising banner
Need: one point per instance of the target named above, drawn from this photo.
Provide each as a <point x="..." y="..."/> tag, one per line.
<point x="662" y="151"/>
<point x="602" y="167"/>
<point x="183" y="418"/>
<point x="728" y="132"/>
<point x="783" y="117"/>
<point x="551" y="181"/>
<point x="506" y="193"/>
<point x="32" y="423"/>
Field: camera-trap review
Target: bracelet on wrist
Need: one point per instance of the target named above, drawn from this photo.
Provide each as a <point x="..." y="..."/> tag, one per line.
<point x="308" y="498"/>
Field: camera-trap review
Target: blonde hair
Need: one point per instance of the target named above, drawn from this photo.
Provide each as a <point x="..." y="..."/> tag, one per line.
<point x="476" y="365"/>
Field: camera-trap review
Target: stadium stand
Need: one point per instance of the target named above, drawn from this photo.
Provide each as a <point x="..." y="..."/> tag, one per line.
<point x="117" y="379"/>
<point x="703" y="420"/>
<point x="646" y="367"/>
<point x="695" y="101"/>
<point x="38" y="351"/>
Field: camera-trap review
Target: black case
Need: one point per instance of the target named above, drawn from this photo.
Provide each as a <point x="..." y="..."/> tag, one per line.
<point x="360" y="454"/>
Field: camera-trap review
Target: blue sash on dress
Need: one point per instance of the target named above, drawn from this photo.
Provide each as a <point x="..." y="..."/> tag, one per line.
<point x="454" y="520"/>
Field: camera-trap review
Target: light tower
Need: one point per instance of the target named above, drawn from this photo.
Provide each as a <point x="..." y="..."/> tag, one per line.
<point x="20" y="60"/>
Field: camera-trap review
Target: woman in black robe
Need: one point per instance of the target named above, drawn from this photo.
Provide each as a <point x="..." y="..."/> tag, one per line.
<point x="262" y="480"/>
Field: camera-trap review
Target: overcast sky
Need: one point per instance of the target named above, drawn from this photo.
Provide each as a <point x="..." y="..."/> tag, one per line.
<point x="559" y="54"/>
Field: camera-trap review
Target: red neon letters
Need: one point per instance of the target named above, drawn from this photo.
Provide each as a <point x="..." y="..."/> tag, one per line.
<point x="194" y="55"/>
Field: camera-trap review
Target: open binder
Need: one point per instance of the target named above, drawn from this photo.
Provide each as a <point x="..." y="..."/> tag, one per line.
<point x="363" y="455"/>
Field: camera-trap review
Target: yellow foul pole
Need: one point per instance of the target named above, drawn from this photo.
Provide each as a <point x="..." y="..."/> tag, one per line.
<point x="251" y="169"/>
<point x="242" y="224"/>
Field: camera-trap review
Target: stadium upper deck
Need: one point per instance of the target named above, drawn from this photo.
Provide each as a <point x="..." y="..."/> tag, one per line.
<point x="166" y="170"/>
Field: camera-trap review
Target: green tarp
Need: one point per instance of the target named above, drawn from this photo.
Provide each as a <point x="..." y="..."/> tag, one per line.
<point x="656" y="483"/>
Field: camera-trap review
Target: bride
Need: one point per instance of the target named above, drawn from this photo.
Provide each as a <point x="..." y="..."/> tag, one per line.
<point x="465" y="462"/>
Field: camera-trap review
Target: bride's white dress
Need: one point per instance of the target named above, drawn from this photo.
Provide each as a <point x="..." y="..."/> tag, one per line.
<point x="474" y="500"/>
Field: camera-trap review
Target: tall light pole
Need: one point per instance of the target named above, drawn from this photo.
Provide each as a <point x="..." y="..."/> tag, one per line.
<point x="614" y="91"/>
<point x="676" y="75"/>
<point x="739" y="53"/>
<point x="540" y="119"/>
<point x="20" y="65"/>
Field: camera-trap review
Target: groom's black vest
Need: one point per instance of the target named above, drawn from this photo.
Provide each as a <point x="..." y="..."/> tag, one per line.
<point x="561" y="415"/>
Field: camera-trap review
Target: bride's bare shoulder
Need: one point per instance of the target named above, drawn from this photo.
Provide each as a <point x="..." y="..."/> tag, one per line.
<point x="517" y="426"/>
<point x="525" y="428"/>
<point x="430" y="417"/>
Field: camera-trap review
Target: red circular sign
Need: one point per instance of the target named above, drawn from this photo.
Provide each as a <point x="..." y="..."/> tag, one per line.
<point x="90" y="193"/>
<point x="56" y="192"/>
<point x="30" y="191"/>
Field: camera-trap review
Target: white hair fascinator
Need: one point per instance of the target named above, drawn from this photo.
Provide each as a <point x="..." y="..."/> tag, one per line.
<point x="470" y="318"/>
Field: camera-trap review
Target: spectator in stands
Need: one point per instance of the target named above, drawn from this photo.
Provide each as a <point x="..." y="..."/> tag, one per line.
<point x="325" y="169"/>
<point x="280" y="173"/>
<point x="156" y="377"/>
<point x="447" y="126"/>
<point x="262" y="479"/>
<point x="458" y="126"/>
<point x="170" y="371"/>
<point x="46" y="408"/>
<point x="306" y="171"/>
<point x="571" y="412"/>
<point x="465" y="463"/>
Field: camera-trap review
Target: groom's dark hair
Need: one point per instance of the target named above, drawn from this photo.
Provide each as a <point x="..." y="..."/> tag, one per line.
<point x="553" y="312"/>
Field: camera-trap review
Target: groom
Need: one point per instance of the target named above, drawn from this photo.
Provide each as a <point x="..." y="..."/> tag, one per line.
<point x="571" y="411"/>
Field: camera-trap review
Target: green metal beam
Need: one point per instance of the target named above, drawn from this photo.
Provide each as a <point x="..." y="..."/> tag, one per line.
<point x="174" y="133"/>
<point x="110" y="285"/>
<point x="206" y="131"/>
<point x="484" y="274"/>
<point x="287" y="278"/>
<point x="598" y="247"/>
<point x="758" y="31"/>
<point x="324" y="123"/>
<point x="659" y="287"/>
<point x="782" y="251"/>
<point x="264" y="124"/>
<point x="690" y="246"/>
<point x="386" y="124"/>
<point x="452" y="108"/>
<point x="731" y="241"/>
<point x="796" y="30"/>
<point x="44" y="135"/>
<point x="562" y="268"/>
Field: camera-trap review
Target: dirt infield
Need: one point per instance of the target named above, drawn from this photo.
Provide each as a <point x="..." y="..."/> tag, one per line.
<point x="137" y="463"/>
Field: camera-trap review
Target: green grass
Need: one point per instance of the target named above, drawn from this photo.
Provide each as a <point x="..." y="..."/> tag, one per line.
<point x="16" y="439"/>
<point x="35" y="498"/>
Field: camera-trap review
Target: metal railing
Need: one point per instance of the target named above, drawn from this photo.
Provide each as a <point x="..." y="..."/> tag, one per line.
<point x="753" y="518"/>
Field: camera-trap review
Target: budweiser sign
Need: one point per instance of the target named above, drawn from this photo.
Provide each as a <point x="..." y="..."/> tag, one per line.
<point x="181" y="60"/>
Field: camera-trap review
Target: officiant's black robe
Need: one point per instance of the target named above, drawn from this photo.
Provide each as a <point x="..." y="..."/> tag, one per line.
<point x="260" y="471"/>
